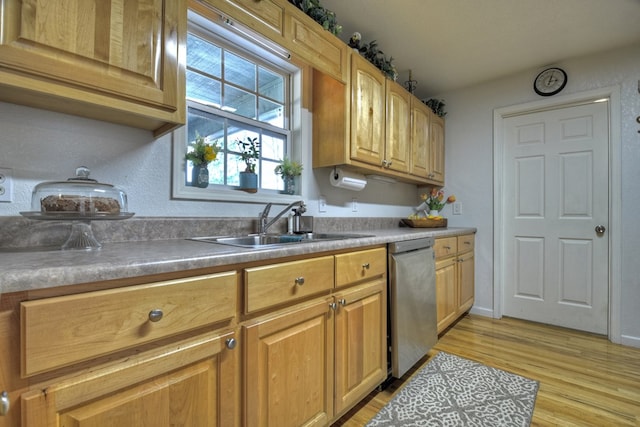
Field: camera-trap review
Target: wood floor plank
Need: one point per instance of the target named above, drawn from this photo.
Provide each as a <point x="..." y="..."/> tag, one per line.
<point x="585" y="380"/>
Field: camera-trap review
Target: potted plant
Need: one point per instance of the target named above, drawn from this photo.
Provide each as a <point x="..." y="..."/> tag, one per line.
<point x="289" y="169"/>
<point x="200" y="156"/>
<point x="249" y="154"/>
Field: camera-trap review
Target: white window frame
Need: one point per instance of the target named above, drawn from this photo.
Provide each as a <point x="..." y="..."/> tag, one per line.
<point x="199" y="24"/>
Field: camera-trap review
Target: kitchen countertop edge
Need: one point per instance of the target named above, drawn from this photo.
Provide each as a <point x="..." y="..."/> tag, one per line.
<point x="41" y="269"/>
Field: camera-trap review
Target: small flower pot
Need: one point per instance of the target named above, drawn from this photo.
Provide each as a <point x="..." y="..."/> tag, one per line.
<point x="248" y="182"/>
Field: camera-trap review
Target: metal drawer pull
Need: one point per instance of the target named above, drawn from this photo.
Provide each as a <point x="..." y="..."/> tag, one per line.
<point x="333" y="305"/>
<point x="4" y="403"/>
<point x="447" y="247"/>
<point x="231" y="343"/>
<point x="366" y="266"/>
<point x="342" y="302"/>
<point x="155" y="315"/>
<point x="467" y="242"/>
<point x="300" y="280"/>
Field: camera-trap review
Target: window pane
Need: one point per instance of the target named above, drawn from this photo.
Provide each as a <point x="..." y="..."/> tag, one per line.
<point x="270" y="112"/>
<point x="239" y="102"/>
<point x="239" y="71"/>
<point x="203" y="56"/>
<point x="270" y="180"/>
<point x="273" y="147"/>
<point x="270" y="85"/>
<point x="203" y="89"/>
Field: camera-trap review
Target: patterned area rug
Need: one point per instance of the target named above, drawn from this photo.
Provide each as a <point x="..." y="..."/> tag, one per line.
<point x="453" y="391"/>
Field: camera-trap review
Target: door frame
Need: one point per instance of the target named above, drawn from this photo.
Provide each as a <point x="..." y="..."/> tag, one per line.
<point x="615" y="195"/>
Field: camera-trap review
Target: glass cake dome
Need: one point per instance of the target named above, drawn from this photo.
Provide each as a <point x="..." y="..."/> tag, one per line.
<point x="79" y="196"/>
<point x="81" y="200"/>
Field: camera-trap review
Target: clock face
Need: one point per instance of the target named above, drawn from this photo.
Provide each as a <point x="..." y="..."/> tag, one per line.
<point x="550" y="81"/>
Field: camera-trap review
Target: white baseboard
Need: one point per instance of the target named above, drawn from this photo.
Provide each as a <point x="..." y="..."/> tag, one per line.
<point x="481" y="311"/>
<point x="630" y="341"/>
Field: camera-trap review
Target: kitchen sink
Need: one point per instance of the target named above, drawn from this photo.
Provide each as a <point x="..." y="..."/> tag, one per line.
<point x="267" y="240"/>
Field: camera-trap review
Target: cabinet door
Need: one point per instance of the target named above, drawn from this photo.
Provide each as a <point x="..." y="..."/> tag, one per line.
<point x="466" y="271"/>
<point x="398" y="128"/>
<point x="436" y="149"/>
<point x="446" y="293"/>
<point x="288" y="366"/>
<point x="367" y="112"/>
<point x="189" y="384"/>
<point x="361" y="342"/>
<point x="419" y="139"/>
<point x="114" y="54"/>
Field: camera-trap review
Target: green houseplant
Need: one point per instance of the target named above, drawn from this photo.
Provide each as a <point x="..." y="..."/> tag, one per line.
<point x="249" y="154"/>
<point x="289" y="170"/>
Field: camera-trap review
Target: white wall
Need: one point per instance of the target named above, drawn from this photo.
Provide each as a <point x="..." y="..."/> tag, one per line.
<point x="469" y="163"/>
<point x="44" y="146"/>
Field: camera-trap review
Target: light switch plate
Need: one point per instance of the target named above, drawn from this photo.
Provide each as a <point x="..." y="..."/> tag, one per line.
<point x="457" y="208"/>
<point x="322" y="204"/>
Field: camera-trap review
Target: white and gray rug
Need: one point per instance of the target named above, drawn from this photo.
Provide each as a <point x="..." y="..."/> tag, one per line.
<point x="453" y="391"/>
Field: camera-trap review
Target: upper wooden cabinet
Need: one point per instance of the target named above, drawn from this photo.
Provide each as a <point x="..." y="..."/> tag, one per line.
<point x="436" y="150"/>
<point x="427" y="143"/>
<point x="368" y="93"/>
<point x="373" y="125"/>
<point x="264" y="16"/>
<point x="120" y="61"/>
<point x="420" y="115"/>
<point x="398" y="134"/>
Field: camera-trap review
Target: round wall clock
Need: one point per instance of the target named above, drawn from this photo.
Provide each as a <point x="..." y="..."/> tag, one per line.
<point x="550" y="81"/>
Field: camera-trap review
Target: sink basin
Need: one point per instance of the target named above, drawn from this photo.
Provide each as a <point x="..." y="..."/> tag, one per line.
<point x="266" y="240"/>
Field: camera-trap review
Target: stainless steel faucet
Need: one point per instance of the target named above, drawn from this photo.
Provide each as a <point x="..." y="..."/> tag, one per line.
<point x="263" y="224"/>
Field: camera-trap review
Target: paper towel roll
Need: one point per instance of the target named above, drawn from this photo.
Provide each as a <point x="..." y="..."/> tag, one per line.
<point x="347" y="180"/>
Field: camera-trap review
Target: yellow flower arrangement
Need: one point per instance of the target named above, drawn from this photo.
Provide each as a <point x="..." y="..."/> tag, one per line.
<point x="202" y="153"/>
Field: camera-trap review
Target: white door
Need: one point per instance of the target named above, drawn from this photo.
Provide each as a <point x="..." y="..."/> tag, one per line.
<point x="556" y="196"/>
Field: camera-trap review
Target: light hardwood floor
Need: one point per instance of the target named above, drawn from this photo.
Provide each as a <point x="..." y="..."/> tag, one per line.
<point x="585" y="380"/>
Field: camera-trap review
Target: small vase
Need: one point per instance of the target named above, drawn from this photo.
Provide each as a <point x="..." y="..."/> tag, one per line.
<point x="289" y="184"/>
<point x="434" y="212"/>
<point x="200" y="176"/>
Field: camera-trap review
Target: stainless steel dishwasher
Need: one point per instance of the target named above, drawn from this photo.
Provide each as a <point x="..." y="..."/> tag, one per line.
<point x="412" y="303"/>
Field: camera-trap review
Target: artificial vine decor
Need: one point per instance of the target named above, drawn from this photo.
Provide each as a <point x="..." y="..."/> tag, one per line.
<point x="322" y="16"/>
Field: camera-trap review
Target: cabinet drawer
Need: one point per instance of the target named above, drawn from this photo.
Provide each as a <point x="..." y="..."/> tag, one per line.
<point x="445" y="246"/>
<point x="465" y="243"/>
<point x="275" y="284"/>
<point x="60" y="331"/>
<point x="361" y="265"/>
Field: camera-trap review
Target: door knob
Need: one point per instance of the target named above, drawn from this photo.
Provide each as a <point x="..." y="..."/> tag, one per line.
<point x="600" y="229"/>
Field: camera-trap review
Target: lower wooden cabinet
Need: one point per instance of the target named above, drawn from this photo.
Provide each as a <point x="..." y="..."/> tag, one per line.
<point x="360" y="343"/>
<point x="190" y="384"/>
<point x="307" y="364"/>
<point x="455" y="281"/>
<point x="288" y="365"/>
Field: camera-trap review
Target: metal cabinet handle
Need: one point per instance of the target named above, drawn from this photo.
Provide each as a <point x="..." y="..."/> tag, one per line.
<point x="4" y="403"/>
<point x="600" y="229"/>
<point x="342" y="302"/>
<point x="366" y="266"/>
<point x="333" y="305"/>
<point x="299" y="280"/>
<point x="231" y="343"/>
<point x="155" y="315"/>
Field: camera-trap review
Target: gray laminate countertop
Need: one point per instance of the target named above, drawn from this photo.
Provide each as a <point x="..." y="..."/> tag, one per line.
<point x="24" y="270"/>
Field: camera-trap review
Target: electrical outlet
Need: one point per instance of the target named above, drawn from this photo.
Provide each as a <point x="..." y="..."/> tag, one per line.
<point x="354" y="205"/>
<point x="457" y="208"/>
<point x="322" y="204"/>
<point x="6" y="185"/>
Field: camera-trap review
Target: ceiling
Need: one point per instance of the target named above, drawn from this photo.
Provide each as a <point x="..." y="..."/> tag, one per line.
<point x="451" y="44"/>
